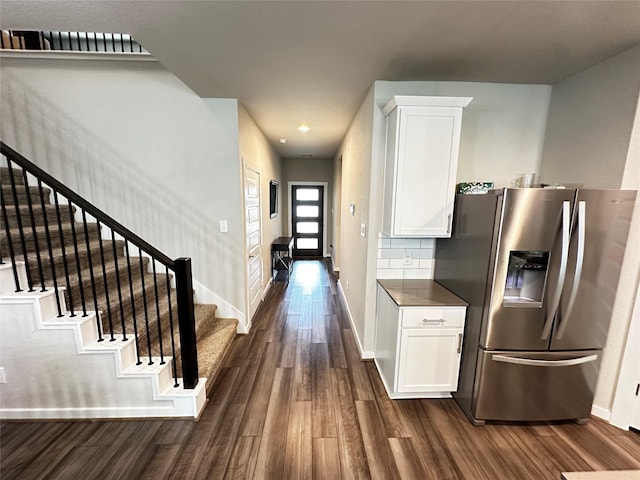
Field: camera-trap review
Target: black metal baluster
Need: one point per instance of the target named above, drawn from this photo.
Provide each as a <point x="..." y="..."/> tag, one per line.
<point x="2" y="41"/>
<point x="131" y="43"/>
<point x="51" y="40"/>
<point x="106" y="284"/>
<point x="104" y="41"/>
<point x="60" y="40"/>
<point x="133" y="303"/>
<point x="49" y="247"/>
<point x="146" y="312"/>
<point x="33" y="230"/>
<point x="173" y="343"/>
<point x="95" y="40"/>
<point x="5" y="217"/>
<point x="113" y="43"/>
<point x="77" y="255"/>
<point x="155" y="287"/>
<point x="93" y="279"/>
<point x="64" y="255"/>
<point x="115" y="262"/>
<point x="20" y="231"/>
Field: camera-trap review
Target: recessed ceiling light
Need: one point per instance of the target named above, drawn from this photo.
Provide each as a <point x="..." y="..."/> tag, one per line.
<point x="304" y="128"/>
<point x="307" y="155"/>
<point x="283" y="140"/>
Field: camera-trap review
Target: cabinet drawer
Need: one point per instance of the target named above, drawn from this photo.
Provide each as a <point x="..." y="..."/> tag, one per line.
<point x="430" y="317"/>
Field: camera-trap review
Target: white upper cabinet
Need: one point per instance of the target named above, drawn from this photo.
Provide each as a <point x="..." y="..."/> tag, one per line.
<point x="423" y="138"/>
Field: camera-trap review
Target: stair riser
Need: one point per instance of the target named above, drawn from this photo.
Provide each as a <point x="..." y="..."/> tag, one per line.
<point x="38" y="216"/>
<point x="72" y="264"/>
<point x="98" y="281"/>
<point x="54" y="238"/>
<point x="21" y="192"/>
<point x="5" y="178"/>
<point x="138" y="305"/>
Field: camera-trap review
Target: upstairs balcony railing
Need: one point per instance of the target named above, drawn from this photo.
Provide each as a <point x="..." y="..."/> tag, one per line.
<point x="69" y="41"/>
<point x="65" y="241"/>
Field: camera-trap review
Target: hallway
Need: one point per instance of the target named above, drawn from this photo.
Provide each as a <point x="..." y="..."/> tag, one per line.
<point x="294" y="400"/>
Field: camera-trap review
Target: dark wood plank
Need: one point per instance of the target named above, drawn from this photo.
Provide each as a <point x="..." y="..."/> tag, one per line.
<point x="270" y="462"/>
<point x="243" y="459"/>
<point x="326" y="459"/>
<point x="353" y="458"/>
<point x="283" y="406"/>
<point x="302" y="386"/>
<point x="376" y="445"/>
<point x="406" y="458"/>
<point x="324" y="419"/>
<point x="299" y="449"/>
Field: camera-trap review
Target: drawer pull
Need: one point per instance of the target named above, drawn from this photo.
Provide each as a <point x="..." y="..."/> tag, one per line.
<point x="433" y="321"/>
<point x="459" y="343"/>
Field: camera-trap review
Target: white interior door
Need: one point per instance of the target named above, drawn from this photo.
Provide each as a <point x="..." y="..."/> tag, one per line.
<point x="253" y="238"/>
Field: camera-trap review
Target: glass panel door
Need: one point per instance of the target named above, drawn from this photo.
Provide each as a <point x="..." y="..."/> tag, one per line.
<point x="307" y="217"/>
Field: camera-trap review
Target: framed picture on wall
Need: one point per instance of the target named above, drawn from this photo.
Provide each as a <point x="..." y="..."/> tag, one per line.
<point x="273" y="198"/>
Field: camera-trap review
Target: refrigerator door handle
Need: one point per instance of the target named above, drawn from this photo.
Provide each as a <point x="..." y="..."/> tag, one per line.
<point x="582" y="207"/>
<point x="544" y="363"/>
<point x="564" y="258"/>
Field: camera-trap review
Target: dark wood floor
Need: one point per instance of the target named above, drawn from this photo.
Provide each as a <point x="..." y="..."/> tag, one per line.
<point x="295" y="401"/>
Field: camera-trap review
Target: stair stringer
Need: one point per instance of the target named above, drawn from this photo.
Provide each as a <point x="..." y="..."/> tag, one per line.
<point x="51" y="366"/>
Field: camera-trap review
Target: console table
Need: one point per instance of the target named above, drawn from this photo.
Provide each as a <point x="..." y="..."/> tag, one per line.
<point x="281" y="259"/>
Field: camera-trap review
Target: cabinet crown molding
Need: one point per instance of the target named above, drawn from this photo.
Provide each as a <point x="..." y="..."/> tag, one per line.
<point x="424" y="101"/>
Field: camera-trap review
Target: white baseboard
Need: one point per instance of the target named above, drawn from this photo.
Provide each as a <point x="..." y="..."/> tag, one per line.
<point x="364" y="354"/>
<point x="600" y="412"/>
<point x="225" y="310"/>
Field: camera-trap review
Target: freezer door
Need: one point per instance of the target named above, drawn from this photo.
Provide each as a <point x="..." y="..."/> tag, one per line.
<point x="535" y="386"/>
<point x="599" y="235"/>
<point x="531" y="253"/>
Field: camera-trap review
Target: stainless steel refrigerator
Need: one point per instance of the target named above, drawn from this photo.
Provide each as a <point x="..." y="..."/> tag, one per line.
<point x="539" y="269"/>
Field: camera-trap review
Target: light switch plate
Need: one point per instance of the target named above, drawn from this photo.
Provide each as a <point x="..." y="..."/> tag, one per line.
<point x="363" y="230"/>
<point x="224" y="226"/>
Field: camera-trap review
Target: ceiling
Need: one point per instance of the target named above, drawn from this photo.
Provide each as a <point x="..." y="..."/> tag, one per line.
<point x="307" y="61"/>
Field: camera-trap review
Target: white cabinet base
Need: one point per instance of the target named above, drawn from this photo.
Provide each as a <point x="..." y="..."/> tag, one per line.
<point x="418" y="348"/>
<point x="408" y="395"/>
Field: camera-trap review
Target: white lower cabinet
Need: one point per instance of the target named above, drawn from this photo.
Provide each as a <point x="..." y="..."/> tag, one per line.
<point x="418" y="348"/>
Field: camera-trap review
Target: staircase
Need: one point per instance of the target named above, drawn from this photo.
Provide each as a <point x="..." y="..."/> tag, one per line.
<point x="63" y="247"/>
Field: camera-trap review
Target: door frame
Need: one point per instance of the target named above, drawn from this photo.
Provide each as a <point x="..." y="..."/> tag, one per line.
<point x="247" y="165"/>
<point x="324" y="206"/>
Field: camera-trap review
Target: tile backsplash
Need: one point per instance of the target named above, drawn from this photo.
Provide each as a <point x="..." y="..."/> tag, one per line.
<point x="405" y="257"/>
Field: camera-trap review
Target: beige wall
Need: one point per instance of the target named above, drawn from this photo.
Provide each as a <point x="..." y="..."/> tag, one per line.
<point x="356" y="154"/>
<point x="256" y="150"/>
<point x="133" y="139"/>
<point x="590" y="123"/>
<point x="593" y="138"/>
<point x="502" y="135"/>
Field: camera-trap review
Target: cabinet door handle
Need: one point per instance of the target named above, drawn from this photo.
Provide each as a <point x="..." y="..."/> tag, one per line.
<point x="428" y="321"/>
<point x="449" y="223"/>
<point x="459" y="342"/>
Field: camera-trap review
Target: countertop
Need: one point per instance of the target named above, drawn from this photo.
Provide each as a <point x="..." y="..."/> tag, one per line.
<point x="420" y="293"/>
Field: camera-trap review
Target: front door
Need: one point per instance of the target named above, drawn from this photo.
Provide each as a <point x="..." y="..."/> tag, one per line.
<point x="253" y="239"/>
<point x="307" y="220"/>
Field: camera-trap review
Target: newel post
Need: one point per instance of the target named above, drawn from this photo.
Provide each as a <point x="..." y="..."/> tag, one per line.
<point x="186" y="322"/>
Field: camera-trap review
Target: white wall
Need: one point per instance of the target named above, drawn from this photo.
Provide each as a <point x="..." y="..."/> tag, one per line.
<point x="590" y="123"/>
<point x="502" y="135"/>
<point x="256" y="150"/>
<point x="593" y="137"/>
<point x="134" y="140"/>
